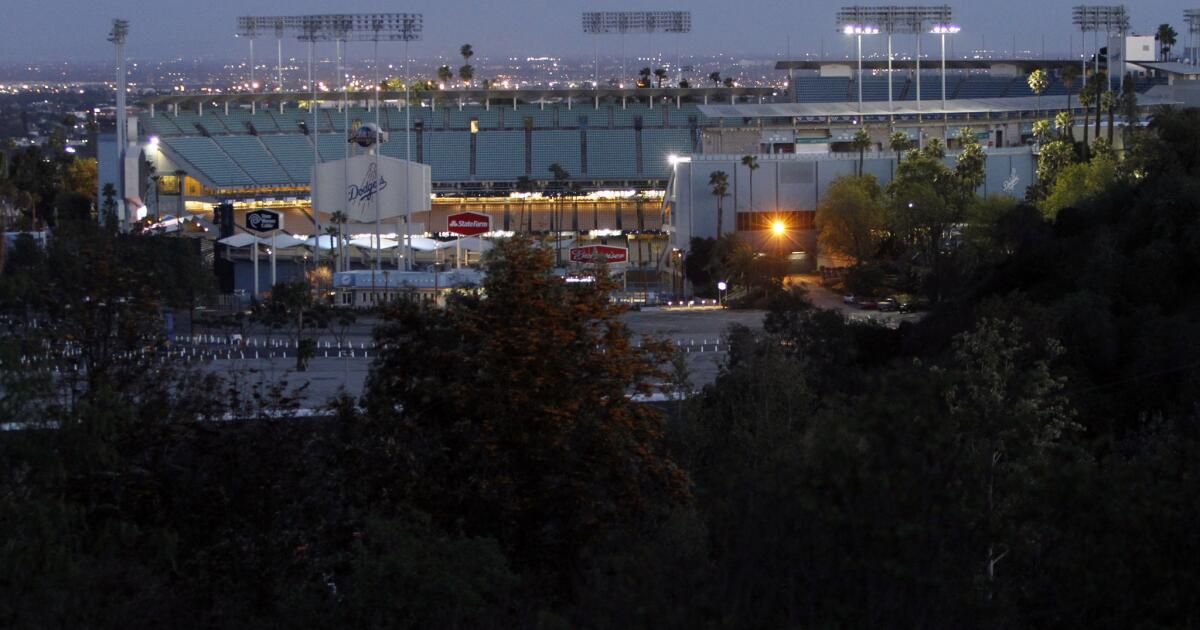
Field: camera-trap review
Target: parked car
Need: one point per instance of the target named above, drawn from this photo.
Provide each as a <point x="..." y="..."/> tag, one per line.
<point x="888" y="305"/>
<point x="849" y="299"/>
<point x="868" y="305"/>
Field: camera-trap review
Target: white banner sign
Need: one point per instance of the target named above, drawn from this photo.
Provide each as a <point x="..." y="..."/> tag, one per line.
<point x="365" y="182"/>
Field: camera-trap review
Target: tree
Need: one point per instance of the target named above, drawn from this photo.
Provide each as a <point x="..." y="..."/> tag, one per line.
<point x="1038" y="81"/>
<point x="466" y="52"/>
<point x="1076" y="184"/>
<point x="1109" y="101"/>
<point x="561" y="176"/>
<point x="513" y="412"/>
<point x="850" y="218"/>
<point x="1087" y="97"/>
<point x="970" y="164"/>
<point x="1042" y="131"/>
<point x="861" y="142"/>
<point x="1063" y="122"/>
<point x="684" y="84"/>
<point x="660" y="74"/>
<point x="1101" y="84"/>
<point x="466" y="73"/>
<point x="1128" y="107"/>
<point x="715" y="77"/>
<point x="525" y="185"/>
<point x="644" y="81"/>
<point x="719" y="181"/>
<point x="445" y="74"/>
<point x="1052" y="159"/>
<point x="1069" y="76"/>
<point x="729" y="82"/>
<point x="1166" y="40"/>
<point x="751" y="164"/>
<point x="899" y="143"/>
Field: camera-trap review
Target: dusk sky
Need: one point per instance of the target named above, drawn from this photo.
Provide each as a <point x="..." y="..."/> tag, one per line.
<point x="75" y="29"/>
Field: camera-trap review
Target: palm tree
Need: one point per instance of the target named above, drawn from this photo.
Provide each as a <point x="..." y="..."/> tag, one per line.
<point x="751" y="163"/>
<point x="719" y="180"/>
<point x="1063" y="121"/>
<point x="1041" y="130"/>
<point x="561" y="176"/>
<point x="1109" y="102"/>
<point x="729" y="82"/>
<point x="444" y="74"/>
<point x="1166" y="39"/>
<point x="661" y="75"/>
<point x="1069" y="76"/>
<point x="466" y="73"/>
<point x="525" y="185"/>
<point x="1087" y="96"/>
<point x="861" y="142"/>
<point x="1128" y="107"/>
<point x="467" y="52"/>
<point x="1101" y="82"/>
<point x="715" y="77"/>
<point x="338" y="219"/>
<point x="899" y="143"/>
<point x="684" y="83"/>
<point x="644" y="73"/>
<point x="1038" y="82"/>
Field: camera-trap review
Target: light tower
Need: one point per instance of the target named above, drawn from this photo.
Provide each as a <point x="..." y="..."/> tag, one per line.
<point x="1191" y="17"/>
<point x="1107" y="19"/>
<point x="120" y="30"/>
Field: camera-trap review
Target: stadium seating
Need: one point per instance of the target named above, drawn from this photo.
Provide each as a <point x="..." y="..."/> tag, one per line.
<point x="294" y="152"/>
<point x="505" y="155"/>
<point x="448" y="155"/>
<point x="250" y="153"/>
<point x="821" y="89"/>
<point x="205" y="157"/>
<point x="657" y="145"/>
<point x="610" y="153"/>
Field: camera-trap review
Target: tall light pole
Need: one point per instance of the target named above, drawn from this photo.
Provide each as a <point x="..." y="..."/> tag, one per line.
<point x="858" y="30"/>
<point x="895" y="19"/>
<point x="1191" y="17"/>
<point x="944" y="30"/>
<point x="1107" y="19"/>
<point x="120" y="30"/>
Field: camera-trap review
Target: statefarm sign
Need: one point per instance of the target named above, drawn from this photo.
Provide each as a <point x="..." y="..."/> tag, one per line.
<point x="595" y="253"/>
<point x="468" y="223"/>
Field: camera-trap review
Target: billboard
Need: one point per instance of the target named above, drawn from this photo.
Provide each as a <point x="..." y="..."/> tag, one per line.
<point x="468" y="223"/>
<point x="594" y="253"/>
<point x="264" y="220"/>
<point x="359" y="185"/>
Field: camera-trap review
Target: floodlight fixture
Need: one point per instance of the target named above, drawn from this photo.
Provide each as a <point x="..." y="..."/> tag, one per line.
<point x="892" y="20"/>
<point x="1191" y="17"/>
<point x="1101" y="18"/>
<point x="622" y="22"/>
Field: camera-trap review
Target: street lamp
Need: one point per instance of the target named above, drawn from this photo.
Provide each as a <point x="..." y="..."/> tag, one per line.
<point x="721" y="287"/>
<point x="944" y="30"/>
<point x="858" y="30"/>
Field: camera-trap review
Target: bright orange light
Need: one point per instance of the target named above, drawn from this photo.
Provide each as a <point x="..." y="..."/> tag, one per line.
<point x="778" y="228"/>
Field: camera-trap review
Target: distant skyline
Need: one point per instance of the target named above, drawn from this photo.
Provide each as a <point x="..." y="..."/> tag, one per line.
<point x="58" y="30"/>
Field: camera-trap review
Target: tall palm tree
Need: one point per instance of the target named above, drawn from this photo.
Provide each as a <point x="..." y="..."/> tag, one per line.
<point x="728" y="81"/>
<point x="1063" y="121"/>
<point x="1166" y="40"/>
<point x="1087" y="96"/>
<point x="715" y="77"/>
<point x="338" y="219"/>
<point x="466" y="52"/>
<point x="466" y="73"/>
<point x="445" y="74"/>
<point x="1101" y="82"/>
<point x="644" y="73"/>
<point x="660" y="74"/>
<point x="525" y="185"/>
<point x="861" y="142"/>
<point x="1069" y="76"/>
<point x="561" y="176"/>
<point x="1109" y="102"/>
<point x="751" y="163"/>
<point x="719" y="180"/>
<point x="1038" y="82"/>
<point x="899" y="142"/>
<point x="1041" y="130"/>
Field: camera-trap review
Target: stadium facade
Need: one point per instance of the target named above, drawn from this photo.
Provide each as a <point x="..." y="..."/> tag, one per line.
<point x="634" y="162"/>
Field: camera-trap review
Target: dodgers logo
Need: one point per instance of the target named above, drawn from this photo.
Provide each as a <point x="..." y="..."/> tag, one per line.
<point x="364" y="193"/>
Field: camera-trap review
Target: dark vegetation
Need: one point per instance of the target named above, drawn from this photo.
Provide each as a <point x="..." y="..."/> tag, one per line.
<point x="1023" y="457"/>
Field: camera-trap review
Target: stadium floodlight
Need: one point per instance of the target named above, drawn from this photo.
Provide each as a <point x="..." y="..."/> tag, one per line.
<point x="622" y="22"/>
<point x="893" y="20"/>
<point x="1101" y="18"/>
<point x="943" y="30"/>
<point x="1191" y="17"/>
<point x="853" y="22"/>
<point x="118" y="34"/>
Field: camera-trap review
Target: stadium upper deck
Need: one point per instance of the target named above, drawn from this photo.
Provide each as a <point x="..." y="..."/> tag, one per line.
<point x="472" y="139"/>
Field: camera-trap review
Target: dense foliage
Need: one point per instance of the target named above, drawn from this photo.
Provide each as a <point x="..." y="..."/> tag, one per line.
<point x="1024" y="456"/>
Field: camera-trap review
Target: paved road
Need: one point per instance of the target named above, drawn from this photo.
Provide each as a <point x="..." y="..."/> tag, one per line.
<point x="698" y="333"/>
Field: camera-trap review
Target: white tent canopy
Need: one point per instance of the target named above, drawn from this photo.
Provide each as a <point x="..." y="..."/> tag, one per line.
<point x="281" y="241"/>
<point x="240" y="239"/>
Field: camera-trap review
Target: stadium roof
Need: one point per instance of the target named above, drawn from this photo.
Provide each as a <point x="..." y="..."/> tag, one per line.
<point x="1170" y="67"/>
<point x="931" y="107"/>
<point x="477" y="95"/>
<point x="931" y="63"/>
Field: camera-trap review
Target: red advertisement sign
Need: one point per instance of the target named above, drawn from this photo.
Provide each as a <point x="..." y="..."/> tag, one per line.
<point x="468" y="223"/>
<point x="592" y="253"/>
